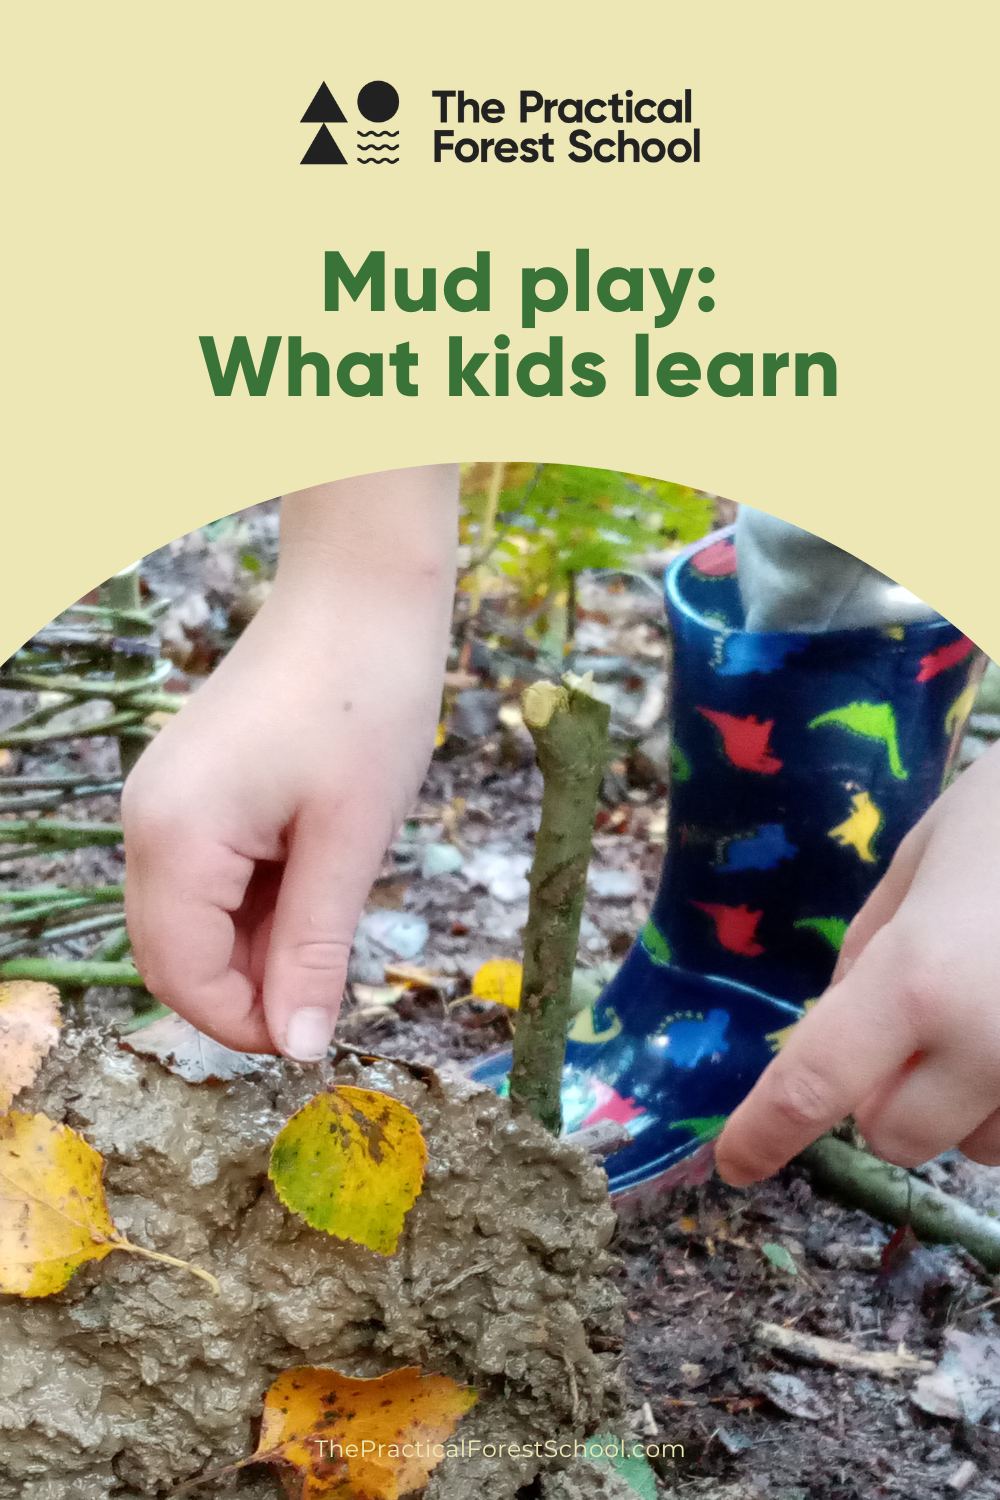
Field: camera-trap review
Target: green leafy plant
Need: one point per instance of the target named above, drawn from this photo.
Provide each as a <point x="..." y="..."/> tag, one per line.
<point x="531" y="529"/>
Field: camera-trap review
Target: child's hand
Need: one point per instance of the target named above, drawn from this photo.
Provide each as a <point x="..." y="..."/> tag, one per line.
<point x="907" y="1038"/>
<point x="255" y="823"/>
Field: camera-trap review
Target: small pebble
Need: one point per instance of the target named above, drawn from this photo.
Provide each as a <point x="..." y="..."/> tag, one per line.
<point x="963" y="1476"/>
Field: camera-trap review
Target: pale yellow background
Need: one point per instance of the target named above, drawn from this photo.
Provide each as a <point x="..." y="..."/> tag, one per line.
<point x="154" y="193"/>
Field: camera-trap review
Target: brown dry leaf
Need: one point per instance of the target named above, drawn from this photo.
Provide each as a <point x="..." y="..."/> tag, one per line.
<point x="188" y="1052"/>
<point x="346" y="1438"/>
<point x="29" y="1028"/>
<point x="53" y="1213"/>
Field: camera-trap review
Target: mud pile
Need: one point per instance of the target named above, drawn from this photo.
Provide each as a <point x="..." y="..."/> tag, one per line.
<point x="137" y="1377"/>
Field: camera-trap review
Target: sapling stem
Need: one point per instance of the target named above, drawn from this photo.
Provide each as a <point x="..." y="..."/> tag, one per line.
<point x="570" y="730"/>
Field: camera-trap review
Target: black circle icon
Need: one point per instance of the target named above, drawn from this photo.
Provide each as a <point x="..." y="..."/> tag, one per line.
<point x="378" y="101"/>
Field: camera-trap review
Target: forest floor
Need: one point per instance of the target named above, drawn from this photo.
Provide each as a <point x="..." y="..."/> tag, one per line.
<point x="701" y="1268"/>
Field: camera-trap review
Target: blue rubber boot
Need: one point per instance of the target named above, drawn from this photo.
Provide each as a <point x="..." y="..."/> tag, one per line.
<point x="800" y="762"/>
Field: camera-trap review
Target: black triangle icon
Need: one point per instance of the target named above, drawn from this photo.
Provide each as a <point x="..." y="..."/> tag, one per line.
<point x="324" y="151"/>
<point x="324" y="107"/>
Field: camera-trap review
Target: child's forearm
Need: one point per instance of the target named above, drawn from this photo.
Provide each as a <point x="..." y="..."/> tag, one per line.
<point x="400" y="526"/>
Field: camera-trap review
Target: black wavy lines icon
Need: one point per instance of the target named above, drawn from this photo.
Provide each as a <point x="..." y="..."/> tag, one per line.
<point x="378" y="161"/>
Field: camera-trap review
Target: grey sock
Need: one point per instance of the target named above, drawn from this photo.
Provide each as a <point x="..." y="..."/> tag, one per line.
<point x="792" y="580"/>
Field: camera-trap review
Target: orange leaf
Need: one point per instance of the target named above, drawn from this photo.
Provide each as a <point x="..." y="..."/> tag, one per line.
<point x="359" y="1439"/>
<point x="29" y="1028"/>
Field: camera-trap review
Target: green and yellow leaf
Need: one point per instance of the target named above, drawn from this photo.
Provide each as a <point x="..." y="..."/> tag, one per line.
<point x="351" y="1162"/>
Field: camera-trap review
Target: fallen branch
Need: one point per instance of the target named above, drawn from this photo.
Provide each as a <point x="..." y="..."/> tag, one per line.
<point x="48" y="833"/>
<point x="77" y="973"/>
<point x="570" y="730"/>
<point x="91" y="893"/>
<point x="82" y="687"/>
<point x="41" y="736"/>
<point x="843" y="1356"/>
<point x="897" y="1197"/>
<point x="42" y="801"/>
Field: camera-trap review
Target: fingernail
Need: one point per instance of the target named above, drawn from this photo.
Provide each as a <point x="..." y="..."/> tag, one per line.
<point x="309" y="1032"/>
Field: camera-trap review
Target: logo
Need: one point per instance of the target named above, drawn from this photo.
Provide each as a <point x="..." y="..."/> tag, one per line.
<point x="377" y="103"/>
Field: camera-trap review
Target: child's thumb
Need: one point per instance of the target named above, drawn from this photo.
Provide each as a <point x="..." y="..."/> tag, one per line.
<point x="327" y="877"/>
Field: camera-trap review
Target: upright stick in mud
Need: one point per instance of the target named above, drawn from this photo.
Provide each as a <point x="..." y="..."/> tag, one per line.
<point x="570" y="730"/>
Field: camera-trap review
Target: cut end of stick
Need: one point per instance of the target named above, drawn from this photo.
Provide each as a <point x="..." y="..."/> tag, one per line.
<point x="540" y="701"/>
<point x="578" y="684"/>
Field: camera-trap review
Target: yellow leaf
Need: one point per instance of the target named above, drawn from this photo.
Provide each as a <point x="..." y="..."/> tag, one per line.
<point x="360" y="1439"/>
<point x="53" y="1213"/>
<point x="351" y="1162"/>
<point x="499" y="979"/>
<point x="29" y="1028"/>
<point x="440" y="735"/>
